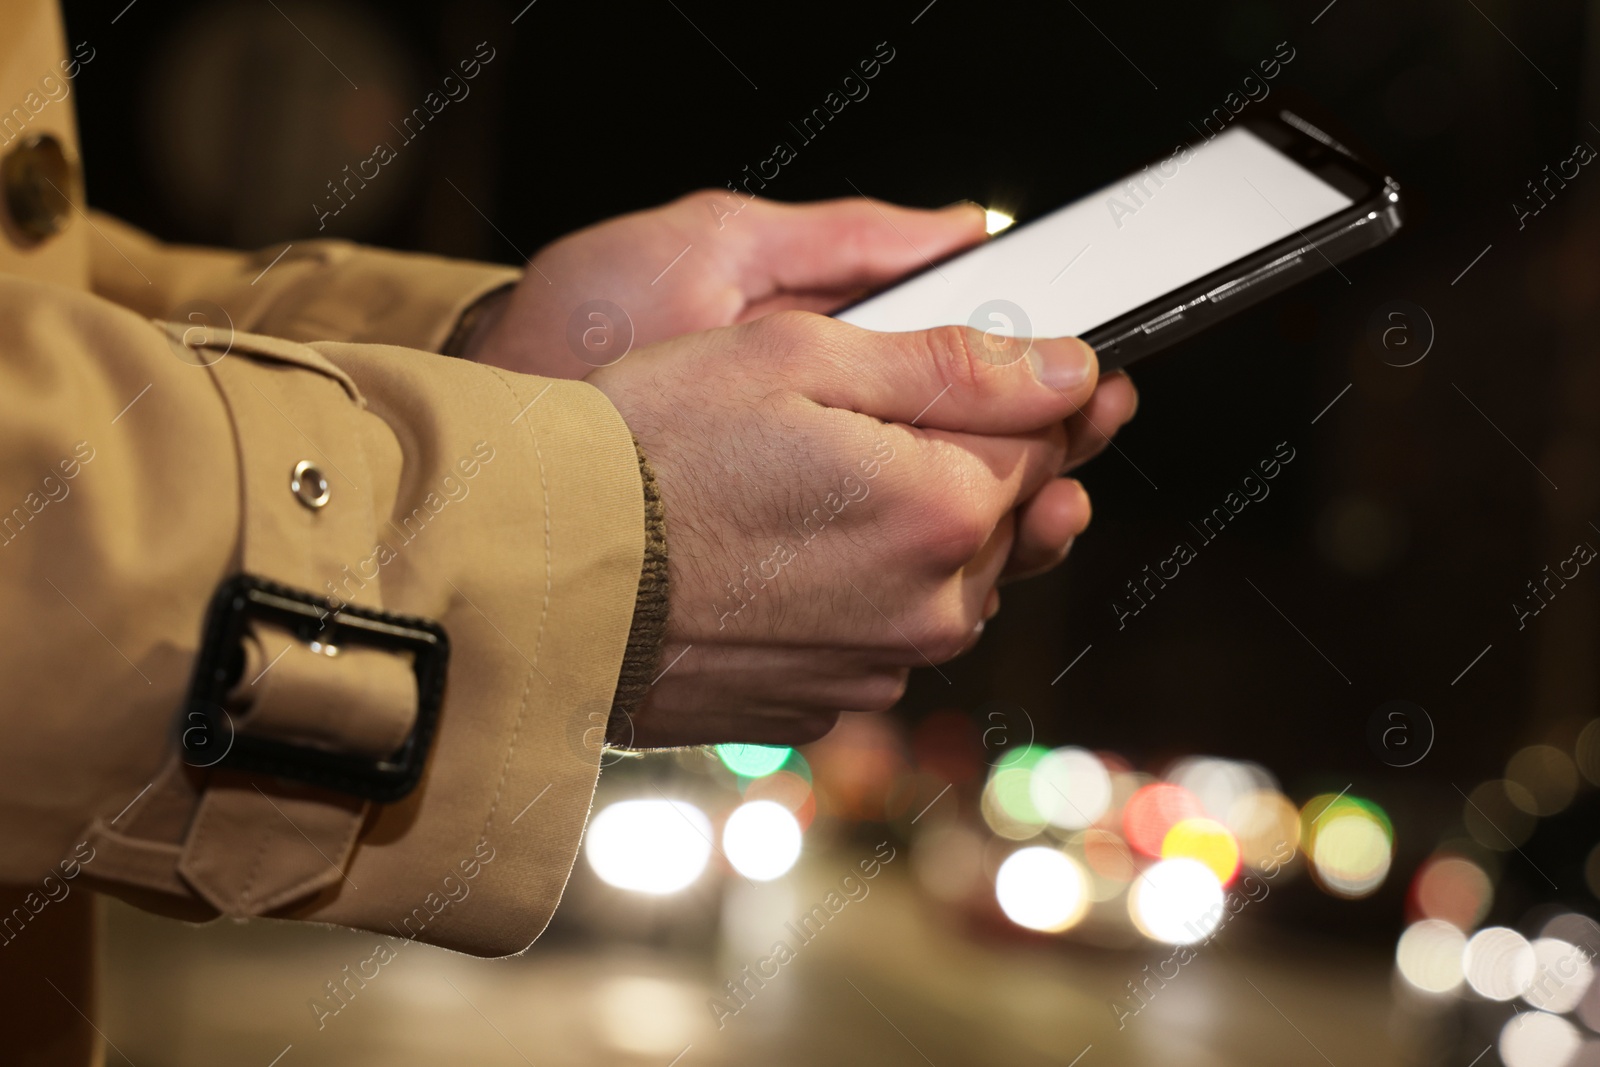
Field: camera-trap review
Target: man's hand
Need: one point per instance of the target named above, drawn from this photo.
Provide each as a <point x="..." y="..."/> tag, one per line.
<point x="840" y="505"/>
<point x="742" y="258"/>
<point x="706" y="260"/>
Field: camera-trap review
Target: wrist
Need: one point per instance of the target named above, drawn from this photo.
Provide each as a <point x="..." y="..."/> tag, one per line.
<point x="648" y="631"/>
<point x="477" y="323"/>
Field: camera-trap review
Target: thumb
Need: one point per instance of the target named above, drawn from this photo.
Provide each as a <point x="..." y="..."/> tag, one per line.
<point x="952" y="377"/>
<point x="838" y="245"/>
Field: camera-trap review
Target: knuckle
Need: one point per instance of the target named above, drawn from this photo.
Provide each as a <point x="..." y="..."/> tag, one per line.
<point x="957" y="355"/>
<point x="881" y="691"/>
<point x="895" y="686"/>
<point x="946" y="633"/>
<point x="954" y="537"/>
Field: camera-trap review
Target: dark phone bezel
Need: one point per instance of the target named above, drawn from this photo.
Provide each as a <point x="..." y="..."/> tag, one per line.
<point x="1373" y="218"/>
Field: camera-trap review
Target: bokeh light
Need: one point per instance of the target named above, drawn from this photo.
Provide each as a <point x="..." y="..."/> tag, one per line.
<point x="1176" y="901"/>
<point x="1108" y="855"/>
<point x="1007" y="802"/>
<point x="787" y="788"/>
<point x="1267" y="825"/>
<point x="1070" y="788"/>
<point x="1574" y="929"/>
<point x="995" y="221"/>
<point x="1547" y="778"/>
<point x="1562" y="974"/>
<point x="1493" y="820"/>
<point x="1588" y="752"/>
<point x="1429" y="955"/>
<point x="1350" y="842"/>
<point x="948" y="745"/>
<point x="1219" y="783"/>
<point x="761" y="839"/>
<point x="1154" y="810"/>
<point x="1498" y="963"/>
<point x="947" y="860"/>
<point x="649" y="846"/>
<point x="1041" y="889"/>
<point x="1205" y="840"/>
<point x="752" y="761"/>
<point x="1538" y="1039"/>
<point x="1453" y="889"/>
<point x="857" y="765"/>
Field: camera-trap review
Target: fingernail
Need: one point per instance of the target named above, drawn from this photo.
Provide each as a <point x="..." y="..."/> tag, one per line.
<point x="991" y="605"/>
<point x="965" y="204"/>
<point x="1061" y="362"/>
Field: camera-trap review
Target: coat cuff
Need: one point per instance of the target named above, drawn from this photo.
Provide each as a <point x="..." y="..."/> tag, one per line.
<point x="648" y="631"/>
<point x="323" y="290"/>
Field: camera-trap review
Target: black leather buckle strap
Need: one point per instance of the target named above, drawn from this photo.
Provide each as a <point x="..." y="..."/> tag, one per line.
<point x="311" y="618"/>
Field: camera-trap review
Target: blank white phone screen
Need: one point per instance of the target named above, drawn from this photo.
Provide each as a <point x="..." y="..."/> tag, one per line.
<point x="1100" y="257"/>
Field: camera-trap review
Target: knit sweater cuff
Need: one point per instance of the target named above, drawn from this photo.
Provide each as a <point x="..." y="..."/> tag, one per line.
<point x="648" y="633"/>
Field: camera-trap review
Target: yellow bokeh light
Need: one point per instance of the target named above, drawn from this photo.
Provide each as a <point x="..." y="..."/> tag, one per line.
<point x="1207" y="841"/>
<point x="1351" y="853"/>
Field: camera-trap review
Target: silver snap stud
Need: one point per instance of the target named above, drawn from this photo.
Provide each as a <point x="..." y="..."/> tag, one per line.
<point x="309" y="485"/>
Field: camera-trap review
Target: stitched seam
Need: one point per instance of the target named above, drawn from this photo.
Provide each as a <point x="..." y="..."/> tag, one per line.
<point x="505" y="765"/>
<point x="544" y="495"/>
<point x="522" y="711"/>
<point x="255" y="867"/>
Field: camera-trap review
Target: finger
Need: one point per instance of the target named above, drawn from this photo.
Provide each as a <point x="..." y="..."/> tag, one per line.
<point x="1047" y="523"/>
<point x="1089" y="431"/>
<point x="949" y="618"/>
<point x="999" y="472"/>
<point x="846" y="244"/>
<point x="948" y="378"/>
<point x="819" y="301"/>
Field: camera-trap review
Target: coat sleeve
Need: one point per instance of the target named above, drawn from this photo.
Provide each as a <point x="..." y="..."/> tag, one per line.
<point x="146" y="463"/>
<point x="317" y="290"/>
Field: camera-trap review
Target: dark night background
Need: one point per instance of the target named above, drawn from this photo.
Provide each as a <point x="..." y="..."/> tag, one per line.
<point x="1396" y="540"/>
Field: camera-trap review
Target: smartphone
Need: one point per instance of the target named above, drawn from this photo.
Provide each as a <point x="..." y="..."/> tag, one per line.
<point x="1182" y="243"/>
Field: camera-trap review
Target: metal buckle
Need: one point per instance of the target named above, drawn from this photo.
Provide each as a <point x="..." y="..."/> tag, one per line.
<point x="313" y="618"/>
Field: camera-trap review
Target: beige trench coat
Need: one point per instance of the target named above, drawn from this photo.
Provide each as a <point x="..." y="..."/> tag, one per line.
<point x="143" y="463"/>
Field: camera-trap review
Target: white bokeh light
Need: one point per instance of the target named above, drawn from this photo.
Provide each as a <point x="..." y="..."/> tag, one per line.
<point x="1499" y="963"/>
<point x="1561" y="976"/>
<point x="1178" y="901"/>
<point x="1429" y="955"/>
<point x="761" y="840"/>
<point x="1070" y="788"/>
<point x="1538" y="1039"/>
<point x="1042" y="889"/>
<point x="649" y="846"/>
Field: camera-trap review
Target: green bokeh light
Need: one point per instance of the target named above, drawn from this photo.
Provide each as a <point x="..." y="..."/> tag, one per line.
<point x="753" y="761"/>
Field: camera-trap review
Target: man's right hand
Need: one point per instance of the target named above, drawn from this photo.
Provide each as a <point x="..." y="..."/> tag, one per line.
<point x="839" y="508"/>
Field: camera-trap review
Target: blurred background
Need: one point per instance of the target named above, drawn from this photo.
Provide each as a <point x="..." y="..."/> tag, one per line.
<point x="1328" y="797"/>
